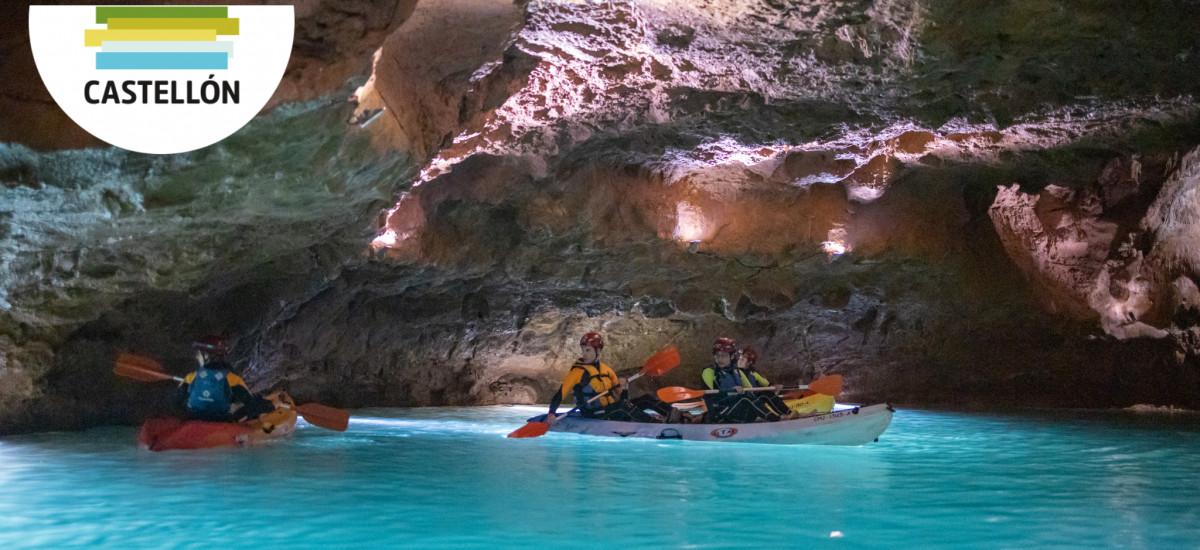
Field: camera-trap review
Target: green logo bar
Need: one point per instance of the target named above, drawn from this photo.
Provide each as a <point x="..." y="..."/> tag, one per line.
<point x="104" y="12"/>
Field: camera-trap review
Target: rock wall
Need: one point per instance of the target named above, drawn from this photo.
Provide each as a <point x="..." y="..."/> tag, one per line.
<point x="945" y="202"/>
<point x="1087" y="252"/>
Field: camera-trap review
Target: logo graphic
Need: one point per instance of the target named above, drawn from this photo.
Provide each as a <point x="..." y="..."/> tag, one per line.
<point x="161" y="79"/>
<point x="162" y="37"/>
<point x="724" y="432"/>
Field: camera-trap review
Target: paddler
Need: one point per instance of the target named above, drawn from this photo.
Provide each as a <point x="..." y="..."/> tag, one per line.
<point x="745" y="359"/>
<point x="212" y="392"/>
<point x="730" y="405"/>
<point x="589" y="378"/>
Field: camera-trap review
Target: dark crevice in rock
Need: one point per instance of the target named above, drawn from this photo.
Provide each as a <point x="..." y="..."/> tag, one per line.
<point x="890" y="191"/>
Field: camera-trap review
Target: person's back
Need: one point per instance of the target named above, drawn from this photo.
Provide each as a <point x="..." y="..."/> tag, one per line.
<point x="210" y="392"/>
<point x="210" y="396"/>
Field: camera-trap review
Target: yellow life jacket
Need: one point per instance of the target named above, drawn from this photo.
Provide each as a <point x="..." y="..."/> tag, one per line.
<point x="594" y="381"/>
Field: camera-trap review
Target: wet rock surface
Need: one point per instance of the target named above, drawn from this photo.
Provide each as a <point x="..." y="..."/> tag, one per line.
<point x="945" y="202"/>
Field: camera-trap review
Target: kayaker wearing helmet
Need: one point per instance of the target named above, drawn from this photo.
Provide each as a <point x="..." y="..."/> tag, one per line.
<point x="730" y="405"/>
<point x="767" y="399"/>
<point x="588" y="378"/>
<point x="211" y="391"/>
<point x="722" y="375"/>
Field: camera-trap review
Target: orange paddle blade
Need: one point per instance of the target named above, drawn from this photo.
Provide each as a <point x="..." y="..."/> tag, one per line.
<point x="325" y="417"/>
<point x="140" y="368"/>
<point x="828" y="385"/>
<point x="677" y="393"/>
<point x="662" y="362"/>
<point x="532" y="429"/>
<point x="140" y="361"/>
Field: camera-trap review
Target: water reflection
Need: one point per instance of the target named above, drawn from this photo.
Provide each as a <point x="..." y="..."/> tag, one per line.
<point x="448" y="478"/>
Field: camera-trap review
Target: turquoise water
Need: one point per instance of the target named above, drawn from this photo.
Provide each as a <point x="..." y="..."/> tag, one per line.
<point x="448" y="478"/>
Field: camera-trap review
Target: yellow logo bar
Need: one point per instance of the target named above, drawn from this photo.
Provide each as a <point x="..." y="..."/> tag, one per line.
<point x="95" y="37"/>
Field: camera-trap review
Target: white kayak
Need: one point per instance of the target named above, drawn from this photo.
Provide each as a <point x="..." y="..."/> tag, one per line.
<point x="851" y="426"/>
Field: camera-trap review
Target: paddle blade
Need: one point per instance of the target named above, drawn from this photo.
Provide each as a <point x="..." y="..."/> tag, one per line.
<point x="798" y="394"/>
<point x="140" y="361"/>
<point x="662" y="362"/>
<point x="677" y="393"/>
<point x="325" y="417"/>
<point x="532" y="429"/>
<point x="139" y="368"/>
<point x="828" y="385"/>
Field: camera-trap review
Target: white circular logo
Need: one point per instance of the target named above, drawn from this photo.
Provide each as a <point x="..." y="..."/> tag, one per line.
<point x="724" y="432"/>
<point x="161" y="79"/>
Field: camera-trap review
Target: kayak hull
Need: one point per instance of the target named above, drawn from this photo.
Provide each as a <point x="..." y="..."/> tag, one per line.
<point x="162" y="434"/>
<point x="856" y="426"/>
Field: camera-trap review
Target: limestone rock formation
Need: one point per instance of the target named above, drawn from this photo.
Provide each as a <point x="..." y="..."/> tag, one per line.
<point x="950" y="202"/>
<point x="1087" y="255"/>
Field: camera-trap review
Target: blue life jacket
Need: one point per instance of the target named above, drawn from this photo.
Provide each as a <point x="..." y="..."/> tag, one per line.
<point x="210" y="392"/>
<point x="727" y="378"/>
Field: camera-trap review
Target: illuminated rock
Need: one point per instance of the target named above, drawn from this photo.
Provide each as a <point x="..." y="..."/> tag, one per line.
<point x="836" y="185"/>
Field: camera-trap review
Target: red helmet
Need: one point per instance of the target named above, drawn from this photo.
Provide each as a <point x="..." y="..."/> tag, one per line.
<point x="750" y="355"/>
<point x="215" y="345"/>
<point x="724" y="344"/>
<point x="592" y="339"/>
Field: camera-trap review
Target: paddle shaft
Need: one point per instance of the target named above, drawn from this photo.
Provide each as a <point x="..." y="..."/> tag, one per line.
<point x="764" y="388"/>
<point x="608" y="391"/>
<point x="325" y="417"/>
<point x="178" y="379"/>
<point x="830" y="385"/>
<point x="669" y="355"/>
<point x="744" y="389"/>
<point x="661" y="362"/>
<point x="797" y="388"/>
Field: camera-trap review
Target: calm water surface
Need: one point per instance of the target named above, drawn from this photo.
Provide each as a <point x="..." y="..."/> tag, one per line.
<point x="448" y="478"/>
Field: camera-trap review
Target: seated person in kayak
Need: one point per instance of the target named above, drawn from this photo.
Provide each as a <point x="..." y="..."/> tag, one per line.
<point x="766" y="399"/>
<point x="730" y="406"/>
<point x="589" y="378"/>
<point x="211" y="392"/>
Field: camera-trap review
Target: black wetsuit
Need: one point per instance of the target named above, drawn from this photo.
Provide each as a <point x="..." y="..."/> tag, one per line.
<point x="766" y="399"/>
<point x="730" y="407"/>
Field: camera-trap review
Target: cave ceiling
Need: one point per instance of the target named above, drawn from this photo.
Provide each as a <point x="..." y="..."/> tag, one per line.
<point x="947" y="202"/>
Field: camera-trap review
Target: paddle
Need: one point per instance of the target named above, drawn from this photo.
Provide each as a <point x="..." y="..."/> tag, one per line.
<point x="660" y="363"/>
<point x="146" y="369"/>
<point x="828" y="385"/>
<point x="536" y="429"/>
